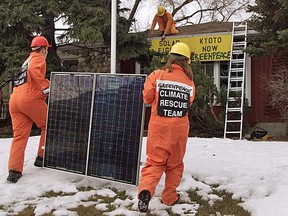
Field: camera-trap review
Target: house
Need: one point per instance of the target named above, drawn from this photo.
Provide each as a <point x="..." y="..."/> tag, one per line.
<point x="211" y="45"/>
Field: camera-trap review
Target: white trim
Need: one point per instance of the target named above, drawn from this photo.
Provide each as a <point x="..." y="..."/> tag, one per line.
<point x="137" y="68"/>
<point x="113" y="35"/>
<point x="248" y="79"/>
<point x="217" y="74"/>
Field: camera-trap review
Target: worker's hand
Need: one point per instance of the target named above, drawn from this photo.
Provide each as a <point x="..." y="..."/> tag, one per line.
<point x="151" y="33"/>
<point x="163" y="37"/>
<point x="46" y="91"/>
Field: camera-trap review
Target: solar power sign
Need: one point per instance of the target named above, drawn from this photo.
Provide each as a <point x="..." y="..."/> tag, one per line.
<point x="95" y="124"/>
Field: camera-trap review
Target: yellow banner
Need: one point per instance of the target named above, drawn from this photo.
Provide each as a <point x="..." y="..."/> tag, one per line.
<point x="203" y="48"/>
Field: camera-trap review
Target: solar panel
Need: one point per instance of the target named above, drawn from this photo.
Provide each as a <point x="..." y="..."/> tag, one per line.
<point x="68" y="122"/>
<point x="95" y="125"/>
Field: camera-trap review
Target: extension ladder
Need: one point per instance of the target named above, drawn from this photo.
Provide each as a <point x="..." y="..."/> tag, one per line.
<point x="236" y="82"/>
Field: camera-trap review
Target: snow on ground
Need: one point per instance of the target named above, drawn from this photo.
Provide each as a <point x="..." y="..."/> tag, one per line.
<point x="257" y="172"/>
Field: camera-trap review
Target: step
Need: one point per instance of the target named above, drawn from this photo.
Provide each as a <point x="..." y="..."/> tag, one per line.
<point x="239" y="43"/>
<point x="237" y="61"/>
<point x="236" y="79"/>
<point x="232" y="99"/>
<point x="235" y="89"/>
<point x="234" y="121"/>
<point x="232" y="132"/>
<point x="237" y="70"/>
<point x="239" y="25"/>
<point x="234" y="109"/>
<point x="239" y="33"/>
<point x="237" y="52"/>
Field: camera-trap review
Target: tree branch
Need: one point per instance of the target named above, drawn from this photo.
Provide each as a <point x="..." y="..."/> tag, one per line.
<point x="237" y="9"/>
<point x="133" y="11"/>
<point x="198" y="11"/>
<point x="181" y="6"/>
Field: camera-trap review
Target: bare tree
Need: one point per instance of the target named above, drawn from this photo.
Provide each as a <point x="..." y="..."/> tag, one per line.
<point x="199" y="11"/>
<point x="191" y="11"/>
<point x="134" y="9"/>
<point x="278" y="85"/>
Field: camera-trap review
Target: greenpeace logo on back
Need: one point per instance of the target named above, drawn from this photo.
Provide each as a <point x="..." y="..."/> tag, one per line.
<point x="174" y="98"/>
<point x="21" y="77"/>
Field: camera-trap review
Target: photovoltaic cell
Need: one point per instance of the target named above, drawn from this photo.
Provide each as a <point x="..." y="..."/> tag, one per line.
<point x="116" y="129"/>
<point x="68" y="122"/>
<point x="95" y="125"/>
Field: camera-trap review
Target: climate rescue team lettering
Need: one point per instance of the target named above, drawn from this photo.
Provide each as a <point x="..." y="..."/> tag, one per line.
<point x="174" y="98"/>
<point x="21" y="77"/>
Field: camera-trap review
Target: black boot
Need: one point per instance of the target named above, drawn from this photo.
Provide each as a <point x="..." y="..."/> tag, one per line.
<point x="144" y="198"/>
<point x="14" y="176"/>
<point x="38" y="162"/>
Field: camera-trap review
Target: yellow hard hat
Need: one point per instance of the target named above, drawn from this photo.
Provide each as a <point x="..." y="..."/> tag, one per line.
<point x="181" y="48"/>
<point x="161" y="11"/>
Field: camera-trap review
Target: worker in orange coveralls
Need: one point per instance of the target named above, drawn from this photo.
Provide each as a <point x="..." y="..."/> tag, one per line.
<point x="165" y="22"/>
<point x="27" y="105"/>
<point x="171" y="91"/>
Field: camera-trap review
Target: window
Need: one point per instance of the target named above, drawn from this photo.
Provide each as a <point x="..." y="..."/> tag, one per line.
<point x="221" y="71"/>
<point x="208" y="68"/>
<point x="224" y="70"/>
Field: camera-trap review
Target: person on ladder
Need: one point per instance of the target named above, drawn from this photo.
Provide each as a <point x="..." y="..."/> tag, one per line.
<point x="165" y="22"/>
<point x="27" y="105"/>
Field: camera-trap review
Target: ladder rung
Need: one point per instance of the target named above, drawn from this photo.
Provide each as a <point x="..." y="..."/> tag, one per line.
<point x="239" y="43"/>
<point x="240" y="25"/>
<point x="237" y="61"/>
<point x="234" y="109"/>
<point x="236" y="89"/>
<point x="232" y="99"/>
<point x="236" y="79"/>
<point x="237" y="70"/>
<point x="237" y="52"/>
<point x="234" y="121"/>
<point x="239" y="33"/>
<point x="232" y="132"/>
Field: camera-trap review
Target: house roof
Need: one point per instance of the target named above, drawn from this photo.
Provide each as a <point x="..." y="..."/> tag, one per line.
<point x="205" y="28"/>
<point x="188" y="30"/>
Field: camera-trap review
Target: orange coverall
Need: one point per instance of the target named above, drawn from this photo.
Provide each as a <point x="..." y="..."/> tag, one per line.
<point x="166" y="23"/>
<point x="27" y="105"/>
<point x="167" y="135"/>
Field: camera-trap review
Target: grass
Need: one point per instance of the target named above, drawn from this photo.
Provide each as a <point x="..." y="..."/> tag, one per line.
<point x="87" y="211"/>
<point x="224" y="206"/>
<point x="83" y="189"/>
<point x="29" y="210"/>
<point x="50" y="194"/>
<point x="171" y="213"/>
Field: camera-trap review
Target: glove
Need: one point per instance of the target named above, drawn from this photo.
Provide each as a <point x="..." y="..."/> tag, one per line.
<point x="46" y="91"/>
